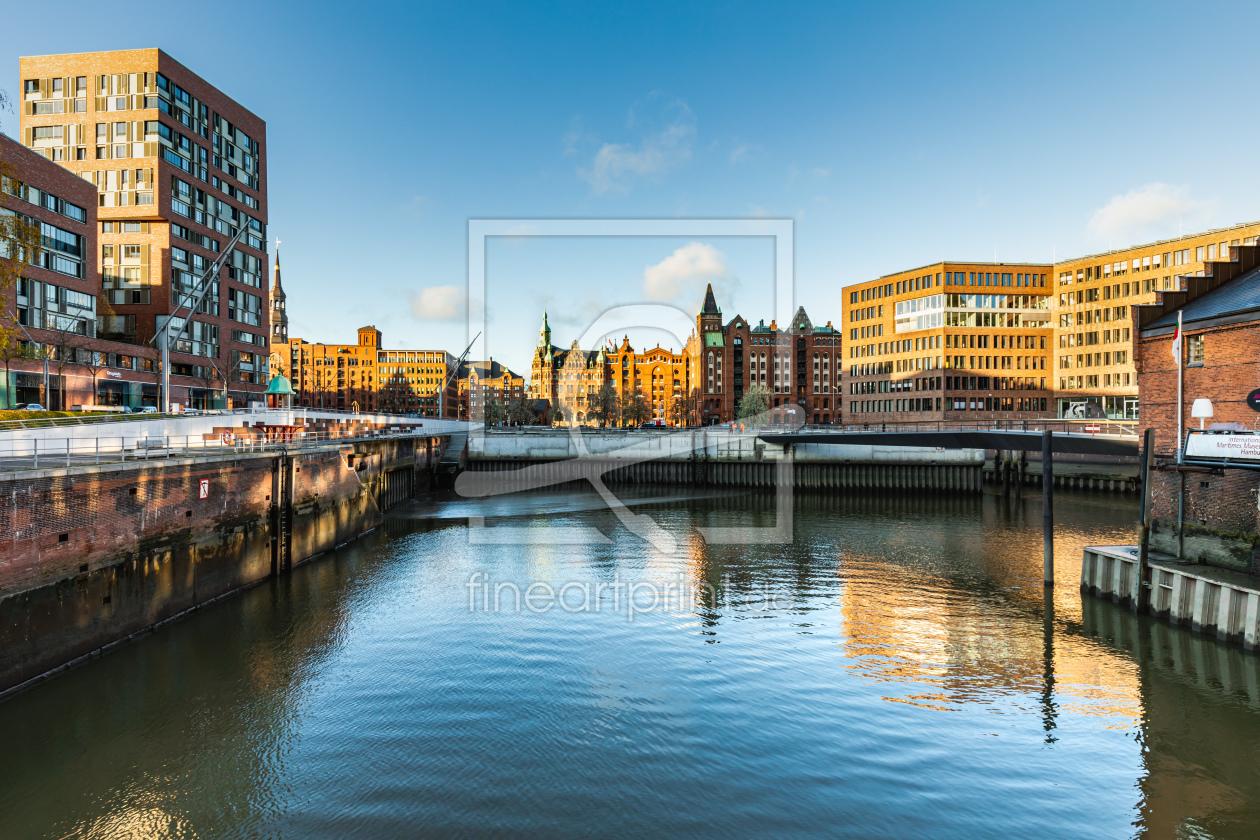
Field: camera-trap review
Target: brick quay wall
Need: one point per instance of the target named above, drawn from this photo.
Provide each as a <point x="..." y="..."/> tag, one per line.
<point x="91" y="556"/>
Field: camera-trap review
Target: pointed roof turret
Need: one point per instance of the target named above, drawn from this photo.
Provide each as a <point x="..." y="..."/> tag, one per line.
<point x="276" y="290"/>
<point x="278" y="307"/>
<point x="710" y="304"/>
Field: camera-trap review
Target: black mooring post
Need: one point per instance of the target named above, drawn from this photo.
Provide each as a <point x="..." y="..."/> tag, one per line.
<point x="1142" y="585"/>
<point x="1047" y="508"/>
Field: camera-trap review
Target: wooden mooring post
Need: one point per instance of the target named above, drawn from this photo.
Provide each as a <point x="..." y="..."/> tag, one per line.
<point x="1047" y="508"/>
<point x="1142" y="586"/>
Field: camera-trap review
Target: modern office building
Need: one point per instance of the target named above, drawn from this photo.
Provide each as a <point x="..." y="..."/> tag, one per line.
<point x="179" y="168"/>
<point x="975" y="341"/>
<point x="1094" y="371"/>
<point x="950" y="341"/>
<point x="368" y="377"/>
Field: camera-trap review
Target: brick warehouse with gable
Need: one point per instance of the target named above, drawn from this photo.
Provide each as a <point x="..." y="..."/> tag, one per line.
<point x="1220" y="312"/>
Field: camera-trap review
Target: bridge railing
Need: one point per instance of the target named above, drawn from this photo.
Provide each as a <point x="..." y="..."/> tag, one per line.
<point x="1123" y="428"/>
<point x="36" y="454"/>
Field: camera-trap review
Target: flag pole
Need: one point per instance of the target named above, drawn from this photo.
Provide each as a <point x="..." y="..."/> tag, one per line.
<point x="1180" y="408"/>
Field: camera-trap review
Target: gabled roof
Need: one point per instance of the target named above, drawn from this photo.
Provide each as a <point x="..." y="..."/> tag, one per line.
<point x="1238" y="298"/>
<point x="801" y="322"/>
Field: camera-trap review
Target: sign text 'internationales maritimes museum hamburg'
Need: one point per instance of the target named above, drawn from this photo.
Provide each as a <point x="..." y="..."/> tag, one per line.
<point x="1222" y="447"/>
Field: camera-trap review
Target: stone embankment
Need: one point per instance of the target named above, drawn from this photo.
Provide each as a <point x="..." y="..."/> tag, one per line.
<point x="94" y="555"/>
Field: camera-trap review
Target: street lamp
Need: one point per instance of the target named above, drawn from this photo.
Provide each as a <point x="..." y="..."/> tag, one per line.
<point x="1202" y="409"/>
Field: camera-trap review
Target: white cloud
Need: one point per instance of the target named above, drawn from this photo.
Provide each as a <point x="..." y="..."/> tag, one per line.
<point x="820" y="173"/>
<point x="742" y="152"/>
<point x="1150" y="206"/>
<point x="439" y="303"/>
<point x="684" y="272"/>
<point x="665" y="129"/>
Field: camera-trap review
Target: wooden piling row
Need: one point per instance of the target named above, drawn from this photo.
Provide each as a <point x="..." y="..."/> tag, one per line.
<point x="940" y="478"/>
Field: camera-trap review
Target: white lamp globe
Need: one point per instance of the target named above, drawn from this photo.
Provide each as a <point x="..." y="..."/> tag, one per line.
<point x="1201" y="409"/>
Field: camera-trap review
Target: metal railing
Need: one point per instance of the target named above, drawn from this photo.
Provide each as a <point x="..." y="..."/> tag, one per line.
<point x="20" y="455"/>
<point x="1120" y="428"/>
<point x="89" y="418"/>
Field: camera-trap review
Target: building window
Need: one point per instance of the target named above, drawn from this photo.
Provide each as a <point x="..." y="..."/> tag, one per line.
<point x="1194" y="350"/>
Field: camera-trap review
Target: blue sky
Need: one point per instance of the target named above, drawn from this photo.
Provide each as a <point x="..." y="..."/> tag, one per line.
<point x="894" y="134"/>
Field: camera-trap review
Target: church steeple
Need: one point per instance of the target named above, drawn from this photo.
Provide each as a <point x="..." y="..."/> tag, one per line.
<point x="279" y="314"/>
<point x="544" y="334"/>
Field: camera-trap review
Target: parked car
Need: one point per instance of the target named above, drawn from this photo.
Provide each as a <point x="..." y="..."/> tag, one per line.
<point x="193" y="412"/>
<point x="148" y="409"/>
<point x="33" y="407"/>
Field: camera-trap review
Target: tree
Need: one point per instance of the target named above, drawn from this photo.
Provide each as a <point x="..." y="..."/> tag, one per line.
<point x="756" y="400"/>
<point x="12" y="348"/>
<point x="94" y="361"/>
<point x="606" y="405"/>
<point x="493" y="412"/>
<point x="555" y="414"/>
<point x="636" y="409"/>
<point x="21" y="244"/>
<point x="66" y="346"/>
<point x="520" y="414"/>
<point x="678" y="413"/>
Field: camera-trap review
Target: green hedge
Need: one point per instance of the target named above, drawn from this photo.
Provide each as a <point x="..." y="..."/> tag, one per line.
<point x="34" y="415"/>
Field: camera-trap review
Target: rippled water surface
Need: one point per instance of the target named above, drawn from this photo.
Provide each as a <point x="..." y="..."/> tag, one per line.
<point x="894" y="672"/>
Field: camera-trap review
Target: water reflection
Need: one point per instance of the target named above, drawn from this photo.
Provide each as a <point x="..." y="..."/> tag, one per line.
<point x="896" y="671"/>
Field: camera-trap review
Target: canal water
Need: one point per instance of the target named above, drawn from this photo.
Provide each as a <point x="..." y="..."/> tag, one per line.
<point x="894" y="671"/>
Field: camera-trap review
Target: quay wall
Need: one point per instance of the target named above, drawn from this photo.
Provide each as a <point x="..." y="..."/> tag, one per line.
<point x="93" y="556"/>
<point x="1219" y="522"/>
<point x="524" y="459"/>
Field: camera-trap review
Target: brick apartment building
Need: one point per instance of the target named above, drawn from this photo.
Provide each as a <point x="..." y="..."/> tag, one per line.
<point x="705" y="382"/>
<point x="54" y="301"/>
<point x="368" y="377"/>
<point x="178" y="167"/>
<point x="480" y="382"/>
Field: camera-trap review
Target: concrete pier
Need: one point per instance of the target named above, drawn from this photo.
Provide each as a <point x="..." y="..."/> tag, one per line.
<point x="1217" y="602"/>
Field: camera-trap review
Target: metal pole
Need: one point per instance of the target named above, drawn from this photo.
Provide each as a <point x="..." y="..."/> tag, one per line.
<point x="166" y="367"/>
<point x="1179" y="344"/>
<point x="1047" y="508"/>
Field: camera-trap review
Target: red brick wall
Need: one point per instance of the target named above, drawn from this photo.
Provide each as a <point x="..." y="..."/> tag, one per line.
<point x="85" y="561"/>
<point x="1230" y="370"/>
<point x="118" y="510"/>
